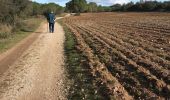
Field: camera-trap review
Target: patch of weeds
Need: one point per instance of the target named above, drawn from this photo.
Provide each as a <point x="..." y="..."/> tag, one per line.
<point x="4" y="35"/>
<point x="8" y="39"/>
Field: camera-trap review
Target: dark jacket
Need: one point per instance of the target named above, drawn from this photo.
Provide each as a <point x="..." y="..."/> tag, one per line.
<point x="51" y="18"/>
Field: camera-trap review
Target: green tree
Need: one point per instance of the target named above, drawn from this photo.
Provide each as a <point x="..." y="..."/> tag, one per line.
<point x="36" y="9"/>
<point x="125" y="7"/>
<point x="47" y="8"/>
<point x="149" y="6"/>
<point x="92" y="7"/>
<point x="116" y="7"/>
<point x="11" y="10"/>
<point x="76" y="6"/>
<point x="100" y="8"/>
<point x="167" y="5"/>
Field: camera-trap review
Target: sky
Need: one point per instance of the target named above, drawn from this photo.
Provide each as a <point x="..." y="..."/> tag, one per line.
<point x="99" y="2"/>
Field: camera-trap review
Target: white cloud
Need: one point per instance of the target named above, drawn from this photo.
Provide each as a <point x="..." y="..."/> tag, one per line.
<point x="118" y="1"/>
<point x="109" y="2"/>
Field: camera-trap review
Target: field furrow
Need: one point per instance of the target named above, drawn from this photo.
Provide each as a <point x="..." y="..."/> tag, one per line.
<point x="153" y="68"/>
<point x="102" y="75"/>
<point x="127" y="48"/>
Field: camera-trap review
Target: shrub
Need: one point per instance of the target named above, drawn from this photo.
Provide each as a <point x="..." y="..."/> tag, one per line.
<point x="5" y="31"/>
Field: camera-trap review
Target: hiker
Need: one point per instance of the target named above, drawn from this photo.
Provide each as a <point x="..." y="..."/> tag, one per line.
<point x="51" y="21"/>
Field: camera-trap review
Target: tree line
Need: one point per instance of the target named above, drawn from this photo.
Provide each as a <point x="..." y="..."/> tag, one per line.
<point x="44" y="9"/>
<point x="79" y="6"/>
<point x="11" y="10"/>
<point x="149" y="6"/>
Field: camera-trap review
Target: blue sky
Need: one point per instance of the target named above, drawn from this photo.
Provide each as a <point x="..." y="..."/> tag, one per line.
<point x="101" y="2"/>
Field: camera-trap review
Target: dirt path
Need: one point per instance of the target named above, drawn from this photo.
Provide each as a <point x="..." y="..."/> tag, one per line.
<point x="38" y="74"/>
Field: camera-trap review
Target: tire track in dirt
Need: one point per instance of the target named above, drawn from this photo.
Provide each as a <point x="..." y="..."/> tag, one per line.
<point x="10" y="56"/>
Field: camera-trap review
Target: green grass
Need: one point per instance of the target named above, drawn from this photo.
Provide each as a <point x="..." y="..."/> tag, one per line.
<point x="30" y="25"/>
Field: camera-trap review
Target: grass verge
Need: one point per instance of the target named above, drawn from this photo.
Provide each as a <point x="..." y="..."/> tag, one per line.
<point x="29" y="26"/>
<point x="82" y="83"/>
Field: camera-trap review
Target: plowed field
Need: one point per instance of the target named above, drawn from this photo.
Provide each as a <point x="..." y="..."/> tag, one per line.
<point x="129" y="52"/>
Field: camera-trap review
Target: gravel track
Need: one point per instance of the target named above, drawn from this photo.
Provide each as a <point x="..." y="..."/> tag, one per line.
<point x="38" y="74"/>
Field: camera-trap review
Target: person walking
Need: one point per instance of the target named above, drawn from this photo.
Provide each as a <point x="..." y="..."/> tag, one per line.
<point x="51" y="21"/>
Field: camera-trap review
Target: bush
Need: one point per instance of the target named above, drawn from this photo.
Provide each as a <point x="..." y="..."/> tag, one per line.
<point x="5" y="31"/>
<point x="18" y="25"/>
<point x="4" y="35"/>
